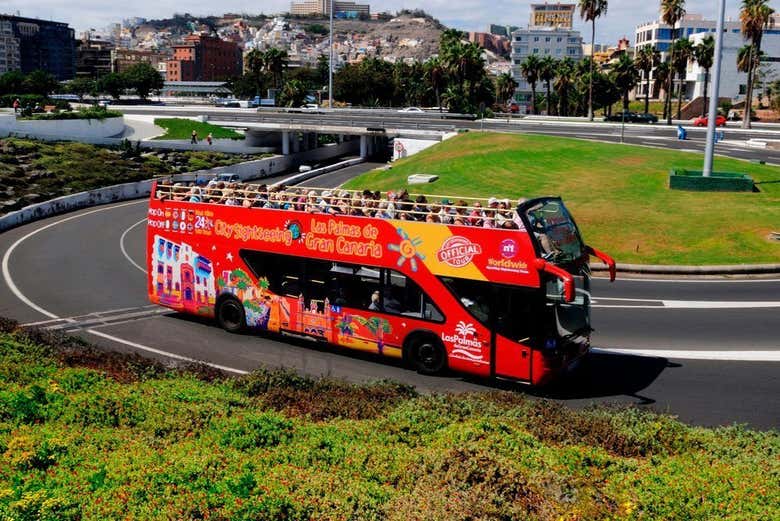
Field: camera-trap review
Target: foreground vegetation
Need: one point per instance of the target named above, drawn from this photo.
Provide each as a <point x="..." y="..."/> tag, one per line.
<point x="618" y="194"/>
<point x="33" y="171"/>
<point x="90" y="435"/>
<point x="178" y="128"/>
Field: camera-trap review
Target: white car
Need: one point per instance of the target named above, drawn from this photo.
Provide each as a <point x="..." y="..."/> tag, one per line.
<point x="412" y="109"/>
<point x="310" y="106"/>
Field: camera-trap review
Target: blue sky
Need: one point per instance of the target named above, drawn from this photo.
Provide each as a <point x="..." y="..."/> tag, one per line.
<point x="622" y="16"/>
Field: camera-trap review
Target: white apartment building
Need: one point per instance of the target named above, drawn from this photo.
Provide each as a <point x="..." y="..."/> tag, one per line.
<point x="541" y="41"/>
<point x="733" y="84"/>
<point x="659" y="35"/>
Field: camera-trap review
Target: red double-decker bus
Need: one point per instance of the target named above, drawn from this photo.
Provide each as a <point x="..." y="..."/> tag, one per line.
<point x="510" y="302"/>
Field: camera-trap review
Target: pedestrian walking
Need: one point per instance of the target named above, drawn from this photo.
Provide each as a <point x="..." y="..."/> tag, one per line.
<point x="17" y="104"/>
<point x="194" y="139"/>
<point x="209" y="138"/>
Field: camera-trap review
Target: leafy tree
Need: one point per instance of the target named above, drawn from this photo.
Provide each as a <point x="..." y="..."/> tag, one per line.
<point x="625" y="75"/>
<point x="529" y="68"/>
<point x="590" y="10"/>
<point x="143" y="78"/>
<point x="293" y="94"/>
<point x="12" y="83"/>
<point x="435" y="76"/>
<point x="40" y="82"/>
<point x="275" y="63"/>
<point x="564" y="83"/>
<point x="671" y="12"/>
<point x="683" y="53"/>
<point x="113" y="84"/>
<point x="704" y="53"/>
<point x="81" y="87"/>
<point x="662" y="72"/>
<point x="646" y="60"/>
<point x="253" y="82"/>
<point x="755" y="16"/>
<point x="547" y="68"/>
<point x="323" y="69"/>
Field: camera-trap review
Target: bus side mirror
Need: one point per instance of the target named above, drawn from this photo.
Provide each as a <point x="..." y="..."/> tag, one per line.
<point x="606" y="259"/>
<point x="565" y="276"/>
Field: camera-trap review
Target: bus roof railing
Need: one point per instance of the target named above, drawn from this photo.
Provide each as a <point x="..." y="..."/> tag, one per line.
<point x="311" y="198"/>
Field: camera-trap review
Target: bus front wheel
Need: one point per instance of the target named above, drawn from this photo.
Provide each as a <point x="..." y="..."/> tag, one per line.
<point x="427" y="355"/>
<point x="230" y="315"/>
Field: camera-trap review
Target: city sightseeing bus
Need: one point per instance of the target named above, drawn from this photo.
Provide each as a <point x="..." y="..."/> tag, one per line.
<point x="504" y="303"/>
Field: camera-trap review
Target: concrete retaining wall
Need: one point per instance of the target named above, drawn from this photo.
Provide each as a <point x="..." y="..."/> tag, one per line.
<point x="111" y="194"/>
<point x="227" y="146"/>
<point x="70" y="129"/>
<point x="410" y="146"/>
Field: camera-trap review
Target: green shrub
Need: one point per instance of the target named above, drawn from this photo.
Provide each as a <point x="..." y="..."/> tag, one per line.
<point x="256" y="431"/>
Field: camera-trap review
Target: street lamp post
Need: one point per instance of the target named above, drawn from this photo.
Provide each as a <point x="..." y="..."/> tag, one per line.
<point x="330" y="61"/>
<point x="715" y="95"/>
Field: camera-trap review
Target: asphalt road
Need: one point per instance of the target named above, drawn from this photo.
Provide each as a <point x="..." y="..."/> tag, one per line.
<point x="707" y="351"/>
<point x="658" y="135"/>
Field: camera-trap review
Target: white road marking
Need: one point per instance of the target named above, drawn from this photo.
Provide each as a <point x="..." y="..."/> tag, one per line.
<point x="720" y="355"/>
<point x="164" y="353"/>
<point x="93" y="314"/>
<point x="703" y="304"/>
<point x="7" y="273"/>
<point x="122" y="246"/>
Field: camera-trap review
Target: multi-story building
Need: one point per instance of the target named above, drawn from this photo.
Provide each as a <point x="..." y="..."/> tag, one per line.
<point x="10" y="59"/>
<point x="552" y="15"/>
<point x="122" y="59"/>
<point x="733" y="84"/>
<point x="204" y="58"/>
<point x="502" y="30"/>
<point x="93" y="57"/>
<point x="541" y="41"/>
<point x="43" y="45"/>
<point x="322" y="7"/>
<point x="491" y="42"/>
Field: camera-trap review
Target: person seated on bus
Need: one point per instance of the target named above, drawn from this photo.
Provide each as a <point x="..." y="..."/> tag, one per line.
<point x="325" y="202"/>
<point x="445" y="211"/>
<point x="376" y="304"/>
<point x="420" y="208"/>
<point x="432" y="218"/>
<point x="229" y="198"/>
<point x="381" y="212"/>
<point x="489" y="218"/>
<point x="179" y="192"/>
<point x="195" y="195"/>
<point x="390" y="303"/>
<point x="458" y="221"/>
<point x="476" y="215"/>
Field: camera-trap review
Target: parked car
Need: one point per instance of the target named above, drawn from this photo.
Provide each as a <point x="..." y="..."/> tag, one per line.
<point x="513" y="107"/>
<point x="227" y="177"/>
<point x="702" y="121"/>
<point x="310" y="106"/>
<point x="411" y="109"/>
<point x="632" y="117"/>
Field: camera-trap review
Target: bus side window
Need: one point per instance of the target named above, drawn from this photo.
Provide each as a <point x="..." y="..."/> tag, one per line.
<point x="474" y="295"/>
<point x="402" y="295"/>
<point x="516" y="312"/>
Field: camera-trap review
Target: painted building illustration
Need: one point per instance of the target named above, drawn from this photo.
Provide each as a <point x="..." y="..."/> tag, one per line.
<point x="183" y="279"/>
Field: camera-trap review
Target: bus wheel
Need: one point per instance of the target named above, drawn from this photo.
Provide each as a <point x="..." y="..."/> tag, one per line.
<point x="427" y="355"/>
<point x="230" y="315"/>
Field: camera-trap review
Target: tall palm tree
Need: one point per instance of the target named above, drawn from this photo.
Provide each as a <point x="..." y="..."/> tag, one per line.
<point x="625" y="75"/>
<point x="671" y="13"/>
<point x="646" y="60"/>
<point x="755" y="16"/>
<point x="683" y="53"/>
<point x="662" y="72"/>
<point x="435" y="76"/>
<point x="563" y="84"/>
<point x="747" y="58"/>
<point x="590" y="10"/>
<point x="529" y="68"/>
<point x="704" y="53"/>
<point x="547" y="69"/>
<point x="505" y="87"/>
<point x="275" y="64"/>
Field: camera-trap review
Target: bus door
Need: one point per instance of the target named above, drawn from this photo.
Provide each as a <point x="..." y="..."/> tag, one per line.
<point x="514" y="322"/>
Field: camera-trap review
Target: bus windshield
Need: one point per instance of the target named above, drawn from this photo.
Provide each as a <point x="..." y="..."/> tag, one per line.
<point x="554" y="230"/>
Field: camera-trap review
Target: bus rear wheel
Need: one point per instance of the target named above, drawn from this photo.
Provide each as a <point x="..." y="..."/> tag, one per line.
<point x="427" y="355"/>
<point x="230" y="315"/>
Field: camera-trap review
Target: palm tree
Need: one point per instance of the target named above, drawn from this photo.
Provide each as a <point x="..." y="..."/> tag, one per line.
<point x="379" y="327"/>
<point x="505" y="87"/>
<point x="529" y="68"/>
<point x="563" y="84"/>
<point x="625" y="75"/>
<point x="662" y="71"/>
<point x="704" y="53"/>
<point x="646" y="60"/>
<point x="755" y="16"/>
<point x="590" y="10"/>
<point x="435" y="75"/>
<point x="683" y="52"/>
<point x="671" y="13"/>
<point x="275" y="62"/>
<point x="547" y="69"/>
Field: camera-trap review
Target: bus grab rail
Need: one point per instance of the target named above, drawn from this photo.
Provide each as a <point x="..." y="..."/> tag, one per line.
<point x="606" y="259"/>
<point x="565" y="276"/>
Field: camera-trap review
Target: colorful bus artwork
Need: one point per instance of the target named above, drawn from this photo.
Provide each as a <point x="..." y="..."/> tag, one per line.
<point x="510" y="302"/>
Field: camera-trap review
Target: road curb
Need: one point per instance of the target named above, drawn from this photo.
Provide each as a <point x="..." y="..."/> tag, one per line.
<point x="735" y="269"/>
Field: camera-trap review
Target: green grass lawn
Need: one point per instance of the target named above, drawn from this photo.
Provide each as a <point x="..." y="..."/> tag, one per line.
<point x="179" y="128"/>
<point x="618" y="194"/>
<point x="87" y="435"/>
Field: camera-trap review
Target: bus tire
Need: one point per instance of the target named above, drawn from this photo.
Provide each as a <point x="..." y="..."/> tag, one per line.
<point x="230" y="314"/>
<point x="426" y="354"/>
